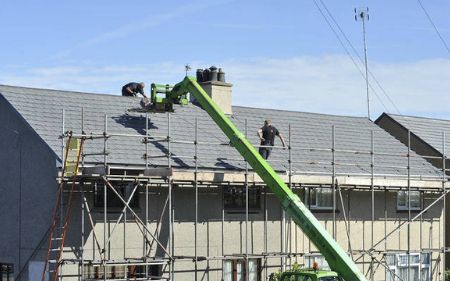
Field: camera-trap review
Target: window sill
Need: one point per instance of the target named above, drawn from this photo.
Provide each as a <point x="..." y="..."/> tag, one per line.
<point x="240" y="211"/>
<point x="406" y="210"/>
<point x="324" y="210"/>
<point x="114" y="210"/>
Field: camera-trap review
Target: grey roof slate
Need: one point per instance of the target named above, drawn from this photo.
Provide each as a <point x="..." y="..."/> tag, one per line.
<point x="42" y="109"/>
<point x="430" y="130"/>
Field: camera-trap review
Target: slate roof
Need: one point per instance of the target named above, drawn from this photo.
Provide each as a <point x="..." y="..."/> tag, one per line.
<point x="42" y="109"/>
<point x="430" y="130"/>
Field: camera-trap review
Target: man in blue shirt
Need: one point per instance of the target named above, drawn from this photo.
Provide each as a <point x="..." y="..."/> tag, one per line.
<point x="133" y="88"/>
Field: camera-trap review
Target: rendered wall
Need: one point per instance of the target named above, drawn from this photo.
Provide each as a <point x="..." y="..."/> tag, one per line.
<point x="211" y="231"/>
<point x="28" y="188"/>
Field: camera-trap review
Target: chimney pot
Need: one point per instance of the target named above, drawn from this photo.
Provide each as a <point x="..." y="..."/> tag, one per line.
<point x="221" y="75"/>
<point x="213" y="73"/>
<point x="206" y="76"/>
<point x="213" y="82"/>
<point x="200" y="75"/>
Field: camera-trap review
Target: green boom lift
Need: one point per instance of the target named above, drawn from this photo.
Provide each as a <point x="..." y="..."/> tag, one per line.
<point x="336" y="257"/>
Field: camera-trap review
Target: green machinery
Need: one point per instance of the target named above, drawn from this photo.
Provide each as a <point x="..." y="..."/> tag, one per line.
<point x="336" y="257"/>
<point x="162" y="99"/>
<point x="307" y="275"/>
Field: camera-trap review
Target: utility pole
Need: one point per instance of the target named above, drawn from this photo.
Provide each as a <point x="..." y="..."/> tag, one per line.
<point x="362" y="14"/>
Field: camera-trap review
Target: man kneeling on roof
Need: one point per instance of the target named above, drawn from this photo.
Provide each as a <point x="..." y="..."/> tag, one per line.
<point x="267" y="135"/>
<point x="133" y="88"/>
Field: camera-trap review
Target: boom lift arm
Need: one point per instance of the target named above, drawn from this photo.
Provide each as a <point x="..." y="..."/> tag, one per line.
<point x="336" y="257"/>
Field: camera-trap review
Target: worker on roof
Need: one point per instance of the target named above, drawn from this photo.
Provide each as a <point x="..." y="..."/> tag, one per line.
<point x="267" y="135"/>
<point x="133" y="88"/>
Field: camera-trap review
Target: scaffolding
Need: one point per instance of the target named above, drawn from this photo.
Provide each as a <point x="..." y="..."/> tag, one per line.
<point x="145" y="182"/>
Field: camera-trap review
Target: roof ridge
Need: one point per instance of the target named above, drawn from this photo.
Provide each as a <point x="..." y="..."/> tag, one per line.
<point x="306" y="112"/>
<point x="234" y="106"/>
<point x="56" y="90"/>
<point x="418" y="117"/>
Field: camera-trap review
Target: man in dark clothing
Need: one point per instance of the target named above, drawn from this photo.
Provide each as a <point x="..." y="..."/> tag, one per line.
<point x="267" y="136"/>
<point x="133" y="88"/>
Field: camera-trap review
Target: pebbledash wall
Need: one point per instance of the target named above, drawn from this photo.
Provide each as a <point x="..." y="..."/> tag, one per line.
<point x="221" y="235"/>
<point x="328" y="153"/>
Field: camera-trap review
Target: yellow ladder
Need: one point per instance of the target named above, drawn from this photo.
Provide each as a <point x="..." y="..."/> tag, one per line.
<point x="72" y="160"/>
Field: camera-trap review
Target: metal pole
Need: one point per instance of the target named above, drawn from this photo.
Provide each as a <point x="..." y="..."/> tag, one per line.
<point x="146" y="194"/>
<point x="265" y="231"/>
<point x="290" y="186"/>
<point x="349" y="224"/>
<point x="363" y="15"/>
<point x="61" y="220"/>
<point x="333" y="163"/>
<point x="444" y="203"/>
<point x="409" y="202"/>
<point x="385" y="217"/>
<point x="196" y="197"/>
<point x="82" y="132"/>
<point x="63" y="160"/>
<point x="82" y="231"/>
<point x="82" y="202"/>
<point x="63" y="144"/>
<point x="345" y="221"/>
<point x="169" y="164"/>
<point x="246" y="210"/>
<point x="105" y="159"/>
<point x="105" y="141"/>
<point x="146" y="140"/>
<point x="125" y="232"/>
<point x="104" y="231"/>
<point x="146" y="223"/>
<point x="372" y="163"/>
<point x="283" y="228"/>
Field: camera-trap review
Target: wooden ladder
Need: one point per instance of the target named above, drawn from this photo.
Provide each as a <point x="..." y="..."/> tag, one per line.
<point x="74" y="147"/>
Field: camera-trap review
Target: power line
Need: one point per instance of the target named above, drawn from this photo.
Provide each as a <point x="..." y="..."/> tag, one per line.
<point x="434" y="26"/>
<point x="347" y="51"/>
<point x="359" y="57"/>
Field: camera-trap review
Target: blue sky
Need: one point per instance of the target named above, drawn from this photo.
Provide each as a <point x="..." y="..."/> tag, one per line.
<point x="279" y="54"/>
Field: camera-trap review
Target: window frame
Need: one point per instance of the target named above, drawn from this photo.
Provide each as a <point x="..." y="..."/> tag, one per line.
<point x="241" y="209"/>
<point x="116" y="205"/>
<point x="92" y="272"/>
<point x="240" y="264"/>
<point x="316" y="206"/>
<point x="397" y="264"/>
<point x="8" y="270"/>
<point x="323" y="264"/>
<point x="403" y="208"/>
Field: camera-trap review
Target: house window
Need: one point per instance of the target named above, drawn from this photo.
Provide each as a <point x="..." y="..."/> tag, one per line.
<point x="235" y="270"/>
<point x="6" y="272"/>
<point x="310" y="259"/>
<point x="112" y="201"/>
<point x="415" y="199"/>
<point x="92" y="272"/>
<point x="319" y="198"/>
<point x="234" y="198"/>
<point x="419" y="266"/>
<point x="139" y="271"/>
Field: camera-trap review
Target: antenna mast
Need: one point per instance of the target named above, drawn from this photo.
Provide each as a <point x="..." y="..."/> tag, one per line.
<point x="187" y="68"/>
<point x="362" y="14"/>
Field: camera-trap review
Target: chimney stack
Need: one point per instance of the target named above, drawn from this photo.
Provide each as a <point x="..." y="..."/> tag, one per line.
<point x="213" y="82"/>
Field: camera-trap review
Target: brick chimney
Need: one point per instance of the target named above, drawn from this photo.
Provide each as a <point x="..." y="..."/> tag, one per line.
<point x="213" y="82"/>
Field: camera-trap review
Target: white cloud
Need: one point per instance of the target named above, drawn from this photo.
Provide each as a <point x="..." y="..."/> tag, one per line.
<point x="139" y="26"/>
<point x="326" y="84"/>
<point x="332" y="84"/>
